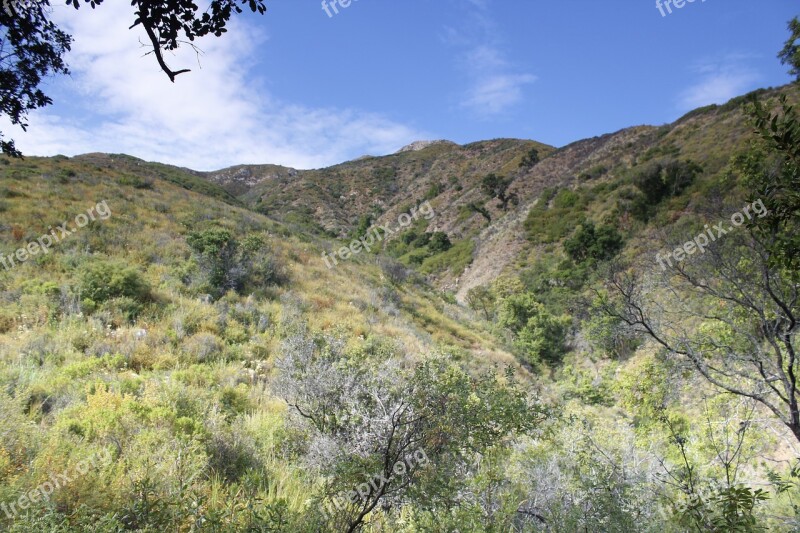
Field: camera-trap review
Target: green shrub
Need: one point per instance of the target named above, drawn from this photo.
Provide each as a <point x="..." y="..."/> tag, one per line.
<point x="434" y="190"/>
<point x="227" y="264"/>
<point x="660" y="180"/>
<point x="456" y="259"/>
<point x="588" y="243"/>
<point x="439" y="242"/>
<point x="540" y="336"/>
<point x="101" y="281"/>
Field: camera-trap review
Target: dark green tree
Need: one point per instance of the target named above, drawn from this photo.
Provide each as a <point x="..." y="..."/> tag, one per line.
<point x="540" y="336"/>
<point x="790" y="55"/>
<point x="589" y="242"/>
<point x="530" y="159"/>
<point x="497" y="187"/>
<point x="660" y="180"/>
<point x="439" y="242"/>
<point x="217" y="252"/>
<point x="472" y="206"/>
<point x="772" y="169"/>
<point x="32" y="47"/>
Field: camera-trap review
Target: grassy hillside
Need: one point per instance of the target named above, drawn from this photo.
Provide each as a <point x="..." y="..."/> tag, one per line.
<point x="119" y="339"/>
<point x="185" y="355"/>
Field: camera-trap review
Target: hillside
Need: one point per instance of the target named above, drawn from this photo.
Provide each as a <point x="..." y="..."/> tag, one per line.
<point x="192" y="329"/>
<point x="334" y="201"/>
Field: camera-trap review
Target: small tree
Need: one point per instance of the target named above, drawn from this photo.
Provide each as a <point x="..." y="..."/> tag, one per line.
<point x="540" y="336"/>
<point x="659" y="180"/>
<point x="530" y="159"/>
<point x="368" y="420"/>
<point x="472" y="206"/>
<point x="228" y="264"/>
<point x="439" y="242"/>
<point x="497" y="187"/>
<point x="589" y="243"/>
<point x="790" y="55"/>
<point x="482" y="299"/>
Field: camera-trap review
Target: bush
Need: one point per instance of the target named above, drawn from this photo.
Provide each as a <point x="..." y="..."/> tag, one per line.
<point x="394" y="271"/>
<point x="203" y="347"/>
<point x="530" y="159"/>
<point x="588" y="243"/>
<point x="439" y="242"/>
<point x="456" y="259"/>
<point x="540" y="336"/>
<point x="102" y="281"/>
<point x="547" y="224"/>
<point x="228" y="264"/>
<point x="660" y="180"/>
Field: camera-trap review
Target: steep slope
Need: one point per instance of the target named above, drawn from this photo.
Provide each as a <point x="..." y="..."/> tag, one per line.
<point x="151" y="220"/>
<point x="337" y="200"/>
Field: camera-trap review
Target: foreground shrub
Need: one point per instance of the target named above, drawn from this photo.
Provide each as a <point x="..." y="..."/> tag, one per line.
<point x="102" y="281"/>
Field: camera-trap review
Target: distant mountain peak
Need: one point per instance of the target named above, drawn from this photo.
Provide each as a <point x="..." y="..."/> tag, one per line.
<point x="421" y="145"/>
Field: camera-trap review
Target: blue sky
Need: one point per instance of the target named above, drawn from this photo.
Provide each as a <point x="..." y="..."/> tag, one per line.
<point x="300" y="88"/>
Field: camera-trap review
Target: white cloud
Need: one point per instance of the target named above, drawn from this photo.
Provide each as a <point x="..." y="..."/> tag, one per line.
<point x="214" y="116"/>
<point x="496" y="93"/>
<point x="719" y="81"/>
<point x="495" y="85"/>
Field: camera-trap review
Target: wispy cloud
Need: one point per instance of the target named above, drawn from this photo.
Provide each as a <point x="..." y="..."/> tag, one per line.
<point x="718" y="81"/>
<point x="215" y="116"/>
<point x="495" y="85"/>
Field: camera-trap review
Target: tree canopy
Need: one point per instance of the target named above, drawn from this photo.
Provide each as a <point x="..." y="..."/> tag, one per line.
<point x="790" y="55"/>
<point x="32" y="46"/>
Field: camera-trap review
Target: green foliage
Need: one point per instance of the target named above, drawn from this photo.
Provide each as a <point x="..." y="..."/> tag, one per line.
<point x="772" y="169"/>
<point x="439" y="411"/>
<point x="385" y="173"/>
<point x="35" y="50"/>
<point x="589" y="388"/>
<point x="556" y="282"/>
<point x="540" y="336"/>
<point x="439" y="242"/>
<point x="227" y="264"/>
<point x="495" y="186"/>
<point x="659" y="180"/>
<point x="790" y="54"/>
<point x="102" y="281"/>
<point x="593" y="173"/>
<point x="136" y="182"/>
<point x="455" y="259"/>
<point x="364" y="223"/>
<point x="434" y="190"/>
<point x="547" y="224"/>
<point x="590" y="244"/>
<point x="530" y="159"/>
<point x="481" y="210"/>
<point x="609" y="335"/>
<point x="483" y="300"/>
<point x="217" y="253"/>
<point x="728" y="510"/>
